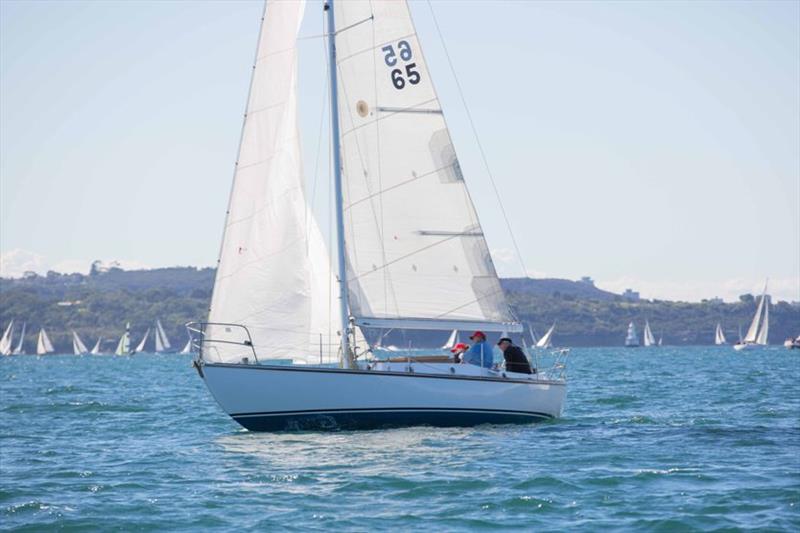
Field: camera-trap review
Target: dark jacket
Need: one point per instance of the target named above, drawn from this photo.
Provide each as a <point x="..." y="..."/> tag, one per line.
<point x="516" y="360"/>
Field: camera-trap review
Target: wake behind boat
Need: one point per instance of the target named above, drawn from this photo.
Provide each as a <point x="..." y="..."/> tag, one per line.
<point x="411" y="254"/>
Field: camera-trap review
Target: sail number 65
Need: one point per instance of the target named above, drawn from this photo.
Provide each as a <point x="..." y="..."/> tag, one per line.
<point x="401" y="75"/>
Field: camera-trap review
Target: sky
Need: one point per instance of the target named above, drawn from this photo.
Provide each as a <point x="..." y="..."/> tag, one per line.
<point x="650" y="145"/>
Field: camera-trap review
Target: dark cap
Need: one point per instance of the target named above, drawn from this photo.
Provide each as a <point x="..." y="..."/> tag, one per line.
<point x="505" y="339"/>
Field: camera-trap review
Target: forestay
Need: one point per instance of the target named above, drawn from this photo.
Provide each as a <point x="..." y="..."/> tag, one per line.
<point x="415" y="248"/>
<point x="273" y="275"/>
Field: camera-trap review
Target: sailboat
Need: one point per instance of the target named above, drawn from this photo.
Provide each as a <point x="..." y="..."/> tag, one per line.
<point x="759" y="327"/>
<point x="647" y="338"/>
<point x="188" y="347"/>
<point x="124" y="344"/>
<point x="96" y="349"/>
<point x="719" y="335"/>
<point x="162" y="343"/>
<point x="20" y="350"/>
<point x="7" y="340"/>
<point x="661" y="339"/>
<point x="547" y="339"/>
<point x="43" y="344"/>
<point x="140" y="346"/>
<point x="78" y="348"/>
<point x="632" y="338"/>
<point x="410" y="253"/>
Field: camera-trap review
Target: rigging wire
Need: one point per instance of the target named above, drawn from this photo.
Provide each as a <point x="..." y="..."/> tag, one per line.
<point x="477" y="140"/>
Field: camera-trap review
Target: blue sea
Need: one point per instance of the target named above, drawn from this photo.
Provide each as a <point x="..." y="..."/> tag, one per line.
<point x="669" y="439"/>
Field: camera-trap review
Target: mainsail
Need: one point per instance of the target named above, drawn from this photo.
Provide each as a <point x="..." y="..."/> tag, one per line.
<point x="719" y="335"/>
<point x="43" y="344"/>
<point x="416" y="253"/>
<point x="752" y="332"/>
<point x="7" y="340"/>
<point x="274" y="274"/>
<point x="78" y="348"/>
<point x="96" y="349"/>
<point x="764" y="331"/>
<point x="162" y="341"/>
<point x="19" y="349"/>
<point x="140" y="346"/>
<point x="648" y="338"/>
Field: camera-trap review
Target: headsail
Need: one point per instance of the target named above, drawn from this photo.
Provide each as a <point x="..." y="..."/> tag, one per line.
<point x="452" y="341"/>
<point x="140" y="346"/>
<point x="416" y="254"/>
<point x="274" y="273"/>
<point x="96" y="349"/>
<point x="124" y="344"/>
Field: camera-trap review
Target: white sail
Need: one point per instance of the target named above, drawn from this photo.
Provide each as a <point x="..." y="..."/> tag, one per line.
<point x="140" y="346"/>
<point x="547" y="339"/>
<point x="124" y="344"/>
<point x="763" y="333"/>
<point x="752" y="332"/>
<point x="648" y="338"/>
<point x="274" y="274"/>
<point x="162" y="336"/>
<point x="719" y="335"/>
<point x="96" y="348"/>
<point x="452" y="341"/>
<point x="416" y="253"/>
<point x="660" y="340"/>
<point x="188" y="347"/>
<point x="43" y="344"/>
<point x="78" y="348"/>
<point x="159" y="344"/>
<point x="7" y="340"/>
<point x="19" y="349"/>
<point x="631" y="339"/>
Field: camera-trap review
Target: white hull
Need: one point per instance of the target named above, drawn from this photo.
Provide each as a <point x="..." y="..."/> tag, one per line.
<point x="277" y="398"/>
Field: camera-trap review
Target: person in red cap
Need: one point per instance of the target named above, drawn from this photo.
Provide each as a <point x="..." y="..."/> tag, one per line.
<point x="459" y="349"/>
<point x="479" y="354"/>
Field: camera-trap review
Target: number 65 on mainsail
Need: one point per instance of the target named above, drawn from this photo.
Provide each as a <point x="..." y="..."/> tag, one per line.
<point x="411" y="254"/>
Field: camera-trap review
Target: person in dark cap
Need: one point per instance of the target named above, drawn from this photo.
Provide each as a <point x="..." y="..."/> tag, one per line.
<point x="515" y="358"/>
<point x="479" y="354"/>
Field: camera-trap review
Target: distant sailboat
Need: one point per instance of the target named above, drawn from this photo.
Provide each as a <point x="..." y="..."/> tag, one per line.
<point x="7" y="340"/>
<point x="547" y="339"/>
<point x="660" y="340"/>
<point x="719" y="336"/>
<point x="140" y="346"/>
<point x="533" y="336"/>
<point x="124" y="345"/>
<point x="188" y="347"/>
<point x="648" y="338"/>
<point x="43" y="344"/>
<point x="19" y="350"/>
<point x="78" y="348"/>
<point x="632" y="338"/>
<point x="452" y="341"/>
<point x="161" y="340"/>
<point x="759" y="327"/>
<point x="96" y="349"/>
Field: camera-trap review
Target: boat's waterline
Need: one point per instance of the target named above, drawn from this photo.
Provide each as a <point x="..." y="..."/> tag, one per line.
<point x="280" y="398"/>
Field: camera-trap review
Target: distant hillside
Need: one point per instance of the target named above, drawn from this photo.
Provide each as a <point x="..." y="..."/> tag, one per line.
<point x="100" y="303"/>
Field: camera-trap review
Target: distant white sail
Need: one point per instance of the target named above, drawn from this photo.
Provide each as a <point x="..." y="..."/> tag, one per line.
<point x="648" y="338"/>
<point x="547" y="339"/>
<point x="124" y="344"/>
<point x="631" y="339"/>
<point x="19" y="349"/>
<point x="43" y="344"/>
<point x="78" y="348"/>
<point x="660" y="340"/>
<point x="188" y="347"/>
<point x="719" y="336"/>
<point x="96" y="349"/>
<point x="140" y="346"/>
<point x="158" y="341"/>
<point x="752" y="332"/>
<point x="452" y="341"/>
<point x="764" y="331"/>
<point x="162" y="338"/>
<point x="6" y="341"/>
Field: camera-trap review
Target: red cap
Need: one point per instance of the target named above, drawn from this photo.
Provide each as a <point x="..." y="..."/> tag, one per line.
<point x="478" y="334"/>
<point x="460" y="346"/>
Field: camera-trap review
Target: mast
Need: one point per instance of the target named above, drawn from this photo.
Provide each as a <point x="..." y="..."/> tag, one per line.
<point x="337" y="182"/>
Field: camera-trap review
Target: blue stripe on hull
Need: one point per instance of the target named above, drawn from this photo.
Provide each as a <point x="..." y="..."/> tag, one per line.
<point x="350" y="420"/>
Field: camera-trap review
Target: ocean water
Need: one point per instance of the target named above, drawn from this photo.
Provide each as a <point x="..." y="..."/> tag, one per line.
<point x="669" y="439"/>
